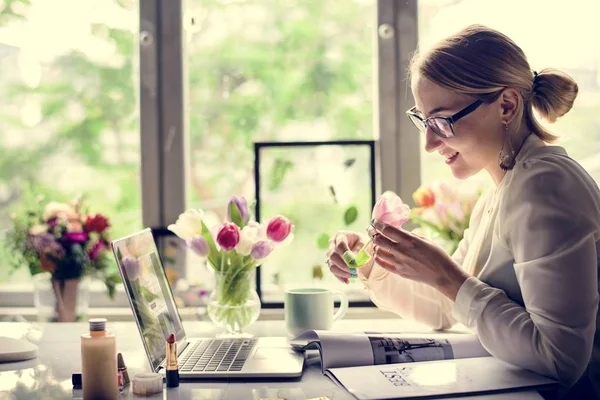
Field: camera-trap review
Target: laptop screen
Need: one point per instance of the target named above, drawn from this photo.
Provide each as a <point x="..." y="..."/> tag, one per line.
<point x="149" y="293"/>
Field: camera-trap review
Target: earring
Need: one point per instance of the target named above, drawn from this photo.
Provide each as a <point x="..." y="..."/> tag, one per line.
<point x="506" y="158"/>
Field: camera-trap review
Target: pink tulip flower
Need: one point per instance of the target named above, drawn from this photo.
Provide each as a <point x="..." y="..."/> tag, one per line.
<point x="391" y="210"/>
<point x="279" y="228"/>
<point x="229" y="236"/>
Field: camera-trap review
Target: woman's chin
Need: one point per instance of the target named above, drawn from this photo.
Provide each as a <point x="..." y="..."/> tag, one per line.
<point x="461" y="171"/>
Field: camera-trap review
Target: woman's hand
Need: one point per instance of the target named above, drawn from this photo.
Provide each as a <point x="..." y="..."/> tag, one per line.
<point x="415" y="258"/>
<point x="338" y="245"/>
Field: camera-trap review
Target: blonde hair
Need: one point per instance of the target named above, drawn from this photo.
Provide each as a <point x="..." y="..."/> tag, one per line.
<point x="482" y="62"/>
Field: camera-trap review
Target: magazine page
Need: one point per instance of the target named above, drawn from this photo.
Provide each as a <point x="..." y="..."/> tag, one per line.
<point x="339" y="350"/>
<point x="435" y="378"/>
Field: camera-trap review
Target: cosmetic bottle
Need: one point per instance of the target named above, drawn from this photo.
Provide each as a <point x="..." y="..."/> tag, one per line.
<point x="99" y="362"/>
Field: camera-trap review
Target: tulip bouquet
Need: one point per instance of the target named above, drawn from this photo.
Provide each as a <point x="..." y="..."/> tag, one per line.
<point x="233" y="249"/>
<point x="66" y="241"/>
<point x="443" y="213"/>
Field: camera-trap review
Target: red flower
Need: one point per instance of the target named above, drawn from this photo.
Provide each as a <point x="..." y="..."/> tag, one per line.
<point x="98" y="223"/>
<point x="229" y="236"/>
<point x="97" y="250"/>
<point x="279" y="228"/>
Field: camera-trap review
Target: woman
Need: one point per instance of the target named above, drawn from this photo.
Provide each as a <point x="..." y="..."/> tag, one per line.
<point x="525" y="276"/>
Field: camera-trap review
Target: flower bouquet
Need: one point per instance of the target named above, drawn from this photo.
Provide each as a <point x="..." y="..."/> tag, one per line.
<point x="67" y="242"/>
<point x="233" y="249"/>
<point x="443" y="212"/>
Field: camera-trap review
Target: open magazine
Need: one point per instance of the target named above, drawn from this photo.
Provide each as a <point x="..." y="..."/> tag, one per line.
<point x="398" y="365"/>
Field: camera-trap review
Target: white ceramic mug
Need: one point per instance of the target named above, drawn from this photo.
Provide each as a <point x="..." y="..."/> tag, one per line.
<point x="312" y="308"/>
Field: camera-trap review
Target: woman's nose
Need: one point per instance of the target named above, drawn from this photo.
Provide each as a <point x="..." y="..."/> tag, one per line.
<point x="432" y="141"/>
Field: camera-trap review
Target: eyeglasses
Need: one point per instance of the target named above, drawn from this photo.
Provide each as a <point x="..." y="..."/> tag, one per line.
<point x="441" y="126"/>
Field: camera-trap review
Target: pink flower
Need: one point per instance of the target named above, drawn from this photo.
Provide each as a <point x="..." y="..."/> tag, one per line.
<point x="76" y="237"/>
<point x="261" y="249"/>
<point x="229" y="236"/>
<point x="391" y="209"/>
<point x="279" y="228"/>
<point x="199" y="245"/>
<point x="98" y="248"/>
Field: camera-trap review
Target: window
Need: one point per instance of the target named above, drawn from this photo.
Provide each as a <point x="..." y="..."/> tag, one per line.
<point x="322" y="187"/>
<point x="534" y="29"/>
<point x="297" y="70"/>
<point x="70" y="116"/>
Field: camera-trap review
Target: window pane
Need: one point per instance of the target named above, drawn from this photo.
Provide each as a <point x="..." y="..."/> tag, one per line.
<point x="534" y="29"/>
<point x="321" y="189"/>
<point x="69" y="114"/>
<point x="272" y="71"/>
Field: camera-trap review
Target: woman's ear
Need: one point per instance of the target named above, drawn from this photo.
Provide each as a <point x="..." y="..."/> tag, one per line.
<point x="510" y="101"/>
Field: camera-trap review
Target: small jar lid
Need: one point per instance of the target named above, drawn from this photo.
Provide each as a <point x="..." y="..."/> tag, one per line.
<point x="97" y="324"/>
<point x="147" y="383"/>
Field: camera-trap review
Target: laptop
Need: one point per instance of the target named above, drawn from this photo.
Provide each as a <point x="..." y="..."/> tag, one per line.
<point x="157" y="316"/>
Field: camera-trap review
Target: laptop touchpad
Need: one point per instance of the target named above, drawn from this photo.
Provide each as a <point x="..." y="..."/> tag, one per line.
<point x="271" y="353"/>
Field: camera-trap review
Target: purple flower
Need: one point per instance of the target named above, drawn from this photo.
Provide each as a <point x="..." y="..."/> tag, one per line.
<point x="242" y="206"/>
<point x="202" y="293"/>
<point x="76" y="237"/>
<point x="132" y="268"/>
<point x="261" y="249"/>
<point x="46" y="242"/>
<point x="199" y="245"/>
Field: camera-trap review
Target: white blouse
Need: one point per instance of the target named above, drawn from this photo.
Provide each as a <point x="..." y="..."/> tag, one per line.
<point x="533" y="252"/>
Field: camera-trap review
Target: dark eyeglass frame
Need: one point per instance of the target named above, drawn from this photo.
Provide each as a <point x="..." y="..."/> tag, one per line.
<point x="450" y="120"/>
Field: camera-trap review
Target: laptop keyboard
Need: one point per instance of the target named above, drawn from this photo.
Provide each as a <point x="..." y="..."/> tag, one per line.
<point x="217" y="355"/>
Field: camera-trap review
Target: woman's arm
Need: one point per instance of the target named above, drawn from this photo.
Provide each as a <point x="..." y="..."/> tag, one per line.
<point x="415" y="300"/>
<point x="410" y="299"/>
<point x="550" y="224"/>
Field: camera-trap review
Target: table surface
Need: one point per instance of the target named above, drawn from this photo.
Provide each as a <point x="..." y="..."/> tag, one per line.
<point x="49" y="375"/>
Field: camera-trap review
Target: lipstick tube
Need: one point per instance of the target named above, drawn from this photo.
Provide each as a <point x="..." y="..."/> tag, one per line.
<point x="172" y="369"/>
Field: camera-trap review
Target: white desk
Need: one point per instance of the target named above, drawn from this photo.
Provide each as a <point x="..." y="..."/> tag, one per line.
<point x="49" y="376"/>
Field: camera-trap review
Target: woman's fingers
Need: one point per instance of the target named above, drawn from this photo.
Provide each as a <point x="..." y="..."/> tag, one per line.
<point x="337" y="260"/>
<point x="389" y="246"/>
<point x="391" y="232"/>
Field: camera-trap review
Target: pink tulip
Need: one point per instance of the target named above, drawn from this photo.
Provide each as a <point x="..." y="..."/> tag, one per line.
<point x="199" y="245"/>
<point x="261" y="249"/>
<point x="279" y="228"/>
<point x="229" y="236"/>
<point x="391" y="210"/>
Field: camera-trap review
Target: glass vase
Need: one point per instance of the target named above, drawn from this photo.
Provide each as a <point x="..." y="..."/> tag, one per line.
<point x="234" y="303"/>
<point x="60" y="300"/>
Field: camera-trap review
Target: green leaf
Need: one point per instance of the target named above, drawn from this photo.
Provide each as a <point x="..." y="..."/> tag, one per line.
<point x="323" y="241"/>
<point x="278" y="172"/>
<point x="214" y="257"/>
<point x="350" y="215"/>
<point x="235" y="215"/>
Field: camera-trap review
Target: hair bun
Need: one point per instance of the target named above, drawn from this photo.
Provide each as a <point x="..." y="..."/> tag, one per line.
<point x="553" y="93"/>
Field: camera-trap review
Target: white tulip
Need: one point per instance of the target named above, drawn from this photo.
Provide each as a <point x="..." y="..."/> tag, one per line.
<point x="188" y="225"/>
<point x="249" y="235"/>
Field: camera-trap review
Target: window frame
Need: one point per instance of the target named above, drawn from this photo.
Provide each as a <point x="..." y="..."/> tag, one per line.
<point x="373" y="161"/>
